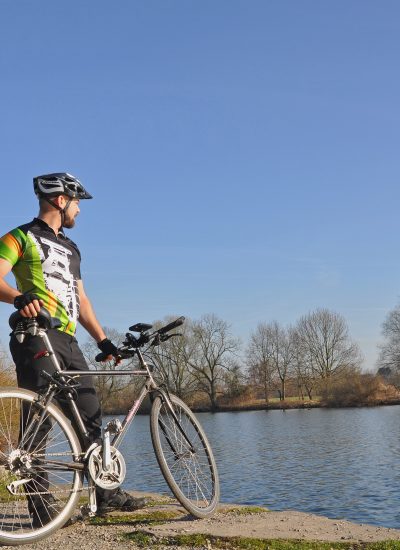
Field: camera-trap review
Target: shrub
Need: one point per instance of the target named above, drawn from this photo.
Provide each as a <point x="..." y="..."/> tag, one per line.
<point x="357" y="389"/>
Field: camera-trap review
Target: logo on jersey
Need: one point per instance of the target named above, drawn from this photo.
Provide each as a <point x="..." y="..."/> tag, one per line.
<point x="57" y="275"/>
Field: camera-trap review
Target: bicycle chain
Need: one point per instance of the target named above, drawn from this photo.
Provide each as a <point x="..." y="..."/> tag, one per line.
<point x="80" y="455"/>
<point x="44" y="493"/>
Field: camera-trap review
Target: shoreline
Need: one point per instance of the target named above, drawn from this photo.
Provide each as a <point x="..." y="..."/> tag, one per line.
<point x="287" y="405"/>
<point x="284" y="405"/>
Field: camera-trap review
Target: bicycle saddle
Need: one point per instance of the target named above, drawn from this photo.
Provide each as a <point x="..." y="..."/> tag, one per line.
<point x="44" y="319"/>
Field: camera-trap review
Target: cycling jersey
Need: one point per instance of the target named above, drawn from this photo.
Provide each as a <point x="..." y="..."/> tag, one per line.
<point x="48" y="265"/>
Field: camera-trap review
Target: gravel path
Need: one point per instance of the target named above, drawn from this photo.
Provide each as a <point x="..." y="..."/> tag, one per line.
<point x="279" y="525"/>
<point x="88" y="537"/>
<point x="230" y="521"/>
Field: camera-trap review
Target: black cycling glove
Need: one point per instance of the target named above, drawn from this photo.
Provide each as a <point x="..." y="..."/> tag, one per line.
<point x="107" y="347"/>
<point x="24" y="300"/>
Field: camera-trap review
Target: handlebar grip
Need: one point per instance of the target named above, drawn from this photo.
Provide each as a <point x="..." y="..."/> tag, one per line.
<point x="121" y="355"/>
<point x="177" y="323"/>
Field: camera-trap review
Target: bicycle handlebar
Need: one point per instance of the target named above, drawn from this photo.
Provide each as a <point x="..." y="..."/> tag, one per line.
<point x="133" y="342"/>
<point x="177" y="323"/>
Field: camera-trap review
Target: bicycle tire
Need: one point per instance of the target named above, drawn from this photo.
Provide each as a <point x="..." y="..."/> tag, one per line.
<point x="191" y="473"/>
<point x="56" y="440"/>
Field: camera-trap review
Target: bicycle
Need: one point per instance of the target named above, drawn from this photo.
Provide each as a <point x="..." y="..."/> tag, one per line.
<point x="41" y="455"/>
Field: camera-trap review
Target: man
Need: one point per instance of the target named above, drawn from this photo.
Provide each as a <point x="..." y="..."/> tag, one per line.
<point x="46" y="266"/>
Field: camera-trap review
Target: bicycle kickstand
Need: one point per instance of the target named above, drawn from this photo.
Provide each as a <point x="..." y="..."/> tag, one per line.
<point x="91" y="508"/>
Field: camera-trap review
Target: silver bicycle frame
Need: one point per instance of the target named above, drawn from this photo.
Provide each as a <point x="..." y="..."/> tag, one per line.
<point x="148" y="386"/>
<point x="145" y="371"/>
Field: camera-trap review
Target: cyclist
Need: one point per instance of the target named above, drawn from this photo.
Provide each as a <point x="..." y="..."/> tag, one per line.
<point x="46" y="266"/>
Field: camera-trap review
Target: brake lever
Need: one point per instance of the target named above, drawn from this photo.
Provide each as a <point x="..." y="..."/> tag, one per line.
<point x="157" y="340"/>
<point x="165" y="337"/>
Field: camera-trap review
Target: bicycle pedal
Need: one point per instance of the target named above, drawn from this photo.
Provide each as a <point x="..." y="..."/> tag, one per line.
<point x="88" y="511"/>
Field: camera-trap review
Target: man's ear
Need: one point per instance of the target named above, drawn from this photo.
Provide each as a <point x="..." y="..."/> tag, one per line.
<point x="60" y="201"/>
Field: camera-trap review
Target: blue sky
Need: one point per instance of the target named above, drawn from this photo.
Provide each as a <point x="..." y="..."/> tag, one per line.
<point x="243" y="155"/>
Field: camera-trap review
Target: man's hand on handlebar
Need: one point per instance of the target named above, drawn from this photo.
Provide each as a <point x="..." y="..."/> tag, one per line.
<point x="109" y="350"/>
<point x="28" y="304"/>
<point x="132" y="344"/>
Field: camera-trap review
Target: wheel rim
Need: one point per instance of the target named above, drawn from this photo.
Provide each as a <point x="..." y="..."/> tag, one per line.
<point x="188" y="462"/>
<point x="37" y="490"/>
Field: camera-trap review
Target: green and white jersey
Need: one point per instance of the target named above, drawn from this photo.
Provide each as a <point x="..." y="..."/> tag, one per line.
<point x="47" y="265"/>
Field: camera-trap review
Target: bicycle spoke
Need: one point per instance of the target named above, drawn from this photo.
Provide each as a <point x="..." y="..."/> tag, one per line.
<point x="48" y="491"/>
<point x="185" y="456"/>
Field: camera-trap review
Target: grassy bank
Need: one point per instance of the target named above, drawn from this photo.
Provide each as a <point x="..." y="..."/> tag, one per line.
<point x="273" y="404"/>
<point x="142" y="539"/>
<point x="141" y="535"/>
<point x="165" y="525"/>
<point x="292" y="404"/>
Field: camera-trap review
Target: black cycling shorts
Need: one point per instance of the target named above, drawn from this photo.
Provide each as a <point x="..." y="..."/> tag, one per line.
<point x="70" y="357"/>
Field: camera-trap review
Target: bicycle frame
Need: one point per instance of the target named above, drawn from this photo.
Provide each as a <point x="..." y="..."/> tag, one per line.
<point x="119" y="432"/>
<point x="148" y="387"/>
<point x="180" y="444"/>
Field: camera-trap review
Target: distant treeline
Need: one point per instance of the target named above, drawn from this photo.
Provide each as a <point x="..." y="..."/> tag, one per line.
<point x="314" y="360"/>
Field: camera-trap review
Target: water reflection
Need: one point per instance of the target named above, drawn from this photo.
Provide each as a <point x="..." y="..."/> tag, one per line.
<point x="339" y="463"/>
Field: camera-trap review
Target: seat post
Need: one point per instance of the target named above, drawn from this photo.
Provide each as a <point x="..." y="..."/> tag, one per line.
<point x="43" y="334"/>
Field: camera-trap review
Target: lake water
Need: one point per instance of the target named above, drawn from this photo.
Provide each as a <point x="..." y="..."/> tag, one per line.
<point x="341" y="463"/>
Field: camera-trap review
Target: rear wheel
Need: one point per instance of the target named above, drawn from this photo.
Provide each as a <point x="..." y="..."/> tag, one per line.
<point x="39" y="487"/>
<point x="184" y="456"/>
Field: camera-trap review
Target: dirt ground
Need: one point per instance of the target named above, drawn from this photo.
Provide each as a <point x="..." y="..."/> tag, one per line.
<point x="278" y="525"/>
<point x="229" y="521"/>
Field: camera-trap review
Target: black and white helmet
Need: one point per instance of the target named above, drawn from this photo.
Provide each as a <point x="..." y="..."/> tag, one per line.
<point x="60" y="183"/>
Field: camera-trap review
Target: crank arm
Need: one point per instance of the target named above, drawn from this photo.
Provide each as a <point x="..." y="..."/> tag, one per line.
<point x="13" y="486"/>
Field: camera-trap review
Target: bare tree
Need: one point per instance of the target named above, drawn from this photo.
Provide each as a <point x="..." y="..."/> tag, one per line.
<point x="234" y="381"/>
<point x="302" y="368"/>
<point x="271" y="355"/>
<point x="284" y="355"/>
<point x="389" y="357"/>
<point x="172" y="360"/>
<point x="213" y="352"/>
<point x="326" y="345"/>
<point x="7" y="369"/>
<point x="259" y="359"/>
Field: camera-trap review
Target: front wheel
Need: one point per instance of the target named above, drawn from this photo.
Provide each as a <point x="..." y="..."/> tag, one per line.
<point x="184" y="455"/>
<point x="40" y="482"/>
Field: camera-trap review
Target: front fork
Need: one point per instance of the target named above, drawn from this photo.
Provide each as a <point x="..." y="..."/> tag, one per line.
<point x="164" y="394"/>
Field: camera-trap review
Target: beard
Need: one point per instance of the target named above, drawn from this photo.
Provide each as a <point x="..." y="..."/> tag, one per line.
<point x="68" y="222"/>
